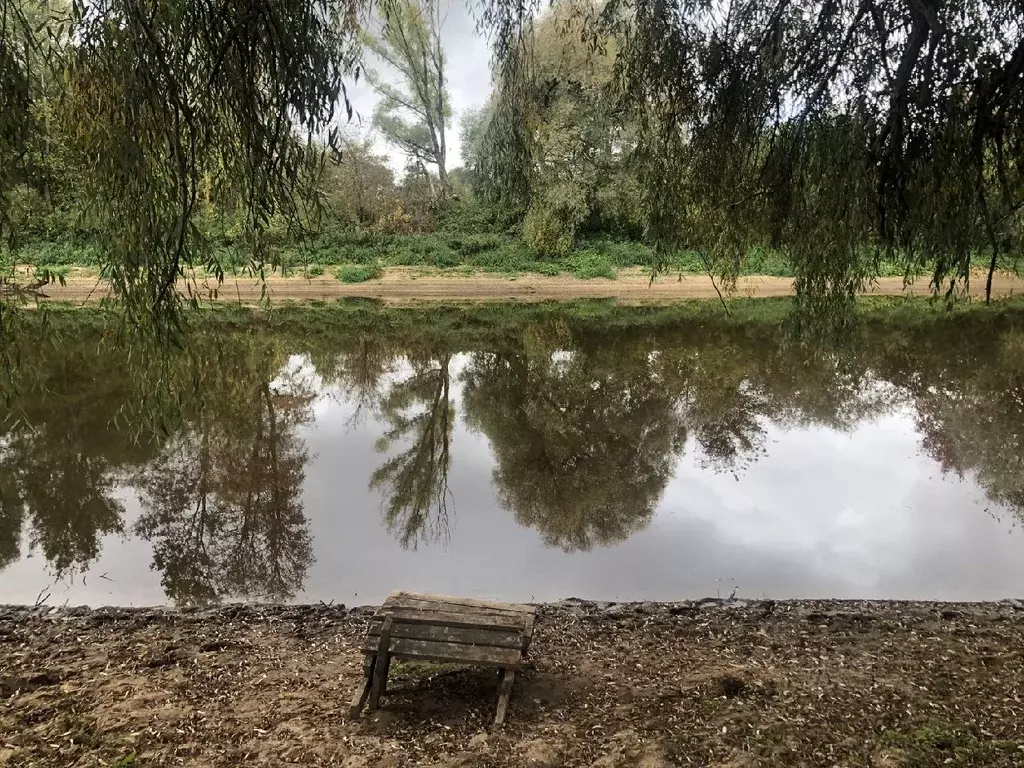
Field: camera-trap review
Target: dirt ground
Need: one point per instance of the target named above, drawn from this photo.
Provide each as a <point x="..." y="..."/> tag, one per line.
<point x="709" y="683"/>
<point x="403" y="284"/>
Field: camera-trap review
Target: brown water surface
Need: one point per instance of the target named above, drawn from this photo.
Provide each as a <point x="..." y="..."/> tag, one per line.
<point x="552" y="454"/>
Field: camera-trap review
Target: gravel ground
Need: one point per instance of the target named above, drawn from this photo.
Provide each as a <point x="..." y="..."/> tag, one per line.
<point x="708" y="683"/>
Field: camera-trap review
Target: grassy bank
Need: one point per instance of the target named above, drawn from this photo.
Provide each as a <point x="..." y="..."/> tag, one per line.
<point x="358" y="314"/>
<point x="359" y="256"/>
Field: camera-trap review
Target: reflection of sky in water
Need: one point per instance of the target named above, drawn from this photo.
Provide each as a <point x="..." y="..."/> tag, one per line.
<point x="821" y="514"/>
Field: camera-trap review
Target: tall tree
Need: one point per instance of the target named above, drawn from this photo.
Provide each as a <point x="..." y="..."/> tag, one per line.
<point x="582" y="142"/>
<point x="155" y="97"/>
<point x="359" y="189"/>
<point x="413" y="116"/>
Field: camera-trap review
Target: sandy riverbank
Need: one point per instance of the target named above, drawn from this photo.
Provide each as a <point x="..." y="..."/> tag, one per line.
<point x="648" y="685"/>
<point x="403" y="284"/>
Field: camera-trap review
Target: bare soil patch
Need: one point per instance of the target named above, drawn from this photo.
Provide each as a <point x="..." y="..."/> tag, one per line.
<point x="404" y="284"/>
<point x="705" y="683"/>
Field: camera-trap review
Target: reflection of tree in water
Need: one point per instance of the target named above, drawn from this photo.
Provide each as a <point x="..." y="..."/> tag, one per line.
<point x="732" y="384"/>
<point x="222" y="503"/>
<point x="419" y="412"/>
<point x="585" y="441"/>
<point x="12" y="516"/>
<point x="419" y="418"/>
<point x="61" y="458"/>
<point x="966" y="385"/>
<point x="722" y="409"/>
<point x="360" y="371"/>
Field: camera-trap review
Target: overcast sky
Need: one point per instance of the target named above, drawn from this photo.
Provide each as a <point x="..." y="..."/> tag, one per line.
<point x="469" y="81"/>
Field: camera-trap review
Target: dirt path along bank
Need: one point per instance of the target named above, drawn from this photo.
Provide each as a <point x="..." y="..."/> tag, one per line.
<point x="403" y="284"/>
<point x="736" y="685"/>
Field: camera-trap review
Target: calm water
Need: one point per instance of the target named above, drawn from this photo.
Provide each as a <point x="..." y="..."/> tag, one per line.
<point x="542" y="457"/>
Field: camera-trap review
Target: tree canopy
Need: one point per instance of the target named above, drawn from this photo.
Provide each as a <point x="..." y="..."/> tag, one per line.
<point x="839" y="133"/>
<point x="414" y="115"/>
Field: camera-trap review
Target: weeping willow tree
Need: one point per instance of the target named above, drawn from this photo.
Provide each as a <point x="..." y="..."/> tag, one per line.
<point x="841" y="132"/>
<point x="158" y="98"/>
<point x="156" y="102"/>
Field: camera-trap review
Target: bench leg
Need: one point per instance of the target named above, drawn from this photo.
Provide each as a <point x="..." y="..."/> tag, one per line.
<point x="504" y="689"/>
<point x="359" y="697"/>
<point x="380" y="670"/>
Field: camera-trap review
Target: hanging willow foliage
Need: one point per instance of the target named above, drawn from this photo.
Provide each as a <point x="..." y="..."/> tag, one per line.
<point x="162" y="95"/>
<point x="840" y="132"/>
<point x="160" y="99"/>
<point x="19" y="51"/>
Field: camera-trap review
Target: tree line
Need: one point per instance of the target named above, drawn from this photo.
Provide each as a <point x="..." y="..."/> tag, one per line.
<point x="845" y="136"/>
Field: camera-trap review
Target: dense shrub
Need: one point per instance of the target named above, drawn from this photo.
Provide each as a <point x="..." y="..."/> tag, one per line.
<point x="590" y="264"/>
<point x="359" y="273"/>
<point x="553" y="219"/>
<point x="471" y="216"/>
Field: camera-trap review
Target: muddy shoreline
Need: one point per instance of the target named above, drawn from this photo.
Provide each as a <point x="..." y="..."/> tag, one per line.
<point x="710" y="683"/>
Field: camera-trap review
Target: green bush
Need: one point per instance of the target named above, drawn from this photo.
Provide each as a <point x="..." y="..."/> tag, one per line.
<point x="763" y="261"/>
<point x="622" y="253"/>
<point x="470" y="245"/>
<point x="422" y="251"/>
<point x="547" y="268"/>
<point x="359" y="273"/>
<point x="509" y="257"/>
<point x="589" y="264"/>
<point x="58" y="254"/>
<point x="471" y="216"/>
<point x="547" y="232"/>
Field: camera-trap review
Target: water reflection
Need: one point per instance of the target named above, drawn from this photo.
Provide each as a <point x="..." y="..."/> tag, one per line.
<point x="585" y="440"/>
<point x="586" y="420"/>
<point x="417" y="411"/>
<point x="62" y="453"/>
<point x="221" y="504"/>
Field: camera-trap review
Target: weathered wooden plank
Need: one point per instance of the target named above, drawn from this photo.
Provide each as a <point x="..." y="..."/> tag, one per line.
<point x="468" y="601"/>
<point x="500" y="638"/>
<point x="455" y="652"/>
<point x="461" y="610"/>
<point x="444" y="602"/>
<point x="504" y="689"/>
<point x="528" y="633"/>
<point x="360" y="696"/>
<point x="510" y="617"/>
<point x="505" y="621"/>
<point x="380" y="670"/>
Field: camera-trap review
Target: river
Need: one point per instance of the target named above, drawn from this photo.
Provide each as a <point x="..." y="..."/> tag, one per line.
<point x="523" y="454"/>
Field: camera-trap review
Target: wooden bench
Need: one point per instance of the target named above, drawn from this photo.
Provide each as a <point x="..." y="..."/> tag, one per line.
<point x="411" y="625"/>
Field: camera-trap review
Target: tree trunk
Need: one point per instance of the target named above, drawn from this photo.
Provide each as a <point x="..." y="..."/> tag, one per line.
<point x="445" y="183"/>
<point x="991" y="270"/>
